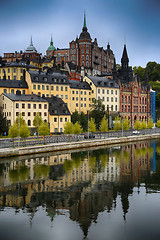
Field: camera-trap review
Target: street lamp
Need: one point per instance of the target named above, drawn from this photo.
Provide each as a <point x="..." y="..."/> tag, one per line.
<point x="88" y="122"/>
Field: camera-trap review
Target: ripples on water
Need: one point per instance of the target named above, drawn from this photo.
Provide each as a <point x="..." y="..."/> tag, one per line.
<point x="107" y="193"/>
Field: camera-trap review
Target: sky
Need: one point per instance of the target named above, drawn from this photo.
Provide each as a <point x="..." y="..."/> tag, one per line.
<point x="134" y="22"/>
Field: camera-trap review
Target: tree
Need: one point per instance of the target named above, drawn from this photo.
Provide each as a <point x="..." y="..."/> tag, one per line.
<point x="77" y="128"/>
<point x="24" y="131"/>
<point x="68" y="128"/>
<point x="43" y="129"/>
<point x="98" y="111"/>
<point x="84" y="121"/>
<point x="75" y="117"/>
<point x="158" y="123"/>
<point x="150" y="123"/>
<point x="92" y="126"/>
<point x="4" y="124"/>
<point x="117" y="123"/>
<point x="13" y="131"/>
<point x="104" y="125"/>
<point x="140" y="71"/>
<point x="20" y="121"/>
<point x="144" y="124"/>
<point x="126" y="123"/>
<point x="37" y="121"/>
<point x="138" y="125"/>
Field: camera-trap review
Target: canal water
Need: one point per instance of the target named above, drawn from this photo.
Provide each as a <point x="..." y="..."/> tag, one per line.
<point x="96" y="194"/>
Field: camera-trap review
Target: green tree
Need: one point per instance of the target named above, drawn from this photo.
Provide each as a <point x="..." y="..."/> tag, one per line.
<point x="75" y="117"/>
<point x="13" y="131"/>
<point x="20" y="121"/>
<point x="104" y="125"/>
<point x="144" y="124"/>
<point x="140" y="71"/>
<point x="37" y="121"/>
<point x="24" y="131"/>
<point x="84" y="121"/>
<point x="158" y="123"/>
<point x="138" y="125"/>
<point x="4" y="124"/>
<point x="43" y="129"/>
<point x="92" y="126"/>
<point x="126" y="123"/>
<point x="117" y="123"/>
<point x="98" y="111"/>
<point x="77" y="128"/>
<point x="150" y="123"/>
<point x="68" y="128"/>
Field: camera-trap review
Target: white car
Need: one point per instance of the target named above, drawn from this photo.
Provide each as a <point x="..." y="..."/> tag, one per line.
<point x="136" y="132"/>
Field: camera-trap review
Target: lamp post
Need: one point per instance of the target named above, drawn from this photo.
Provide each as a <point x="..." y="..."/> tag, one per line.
<point x="88" y="122"/>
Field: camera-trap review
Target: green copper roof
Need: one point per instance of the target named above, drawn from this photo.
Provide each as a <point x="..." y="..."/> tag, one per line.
<point x="51" y="47"/>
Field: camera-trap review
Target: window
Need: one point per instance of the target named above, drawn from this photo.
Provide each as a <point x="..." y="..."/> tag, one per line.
<point x="29" y="122"/>
<point x="55" y="119"/>
<point x="23" y="114"/>
<point x="38" y="87"/>
<point x="103" y="91"/>
<point x="45" y="114"/>
<point x="76" y="92"/>
<point x="23" y="91"/>
<point x="34" y="114"/>
<point x="107" y="91"/>
<point x="76" y="98"/>
<point x="72" y="92"/>
<point x="60" y="119"/>
<point x="52" y="88"/>
<point x="66" y="89"/>
<point x="76" y="104"/>
<point x="66" y="96"/>
<point x="17" y="113"/>
<point x="62" y="96"/>
<point x="45" y="106"/>
<point x="65" y="119"/>
<point x="34" y="106"/>
<point x="81" y="92"/>
<point x="14" y="70"/>
<point x="98" y="90"/>
<point x="5" y="90"/>
<point x="111" y="99"/>
<point x="61" y="88"/>
<point x="43" y="87"/>
<point x="103" y="98"/>
<point x="47" y="87"/>
<point x="84" y="92"/>
<point x="84" y="99"/>
<point x="111" y="107"/>
<point x="17" y="105"/>
<point x="72" y="98"/>
<point x="107" y="99"/>
<point x="8" y="70"/>
<point x="57" y="88"/>
<point x="40" y="106"/>
<point x="34" y="86"/>
<point x="8" y="78"/>
<point x="23" y="105"/>
<point x="116" y="92"/>
<point x="115" y="99"/>
<point x="81" y="99"/>
<point x="111" y="91"/>
<point x="81" y="104"/>
<point x="116" y="108"/>
<point x="12" y="91"/>
<point x="29" y="114"/>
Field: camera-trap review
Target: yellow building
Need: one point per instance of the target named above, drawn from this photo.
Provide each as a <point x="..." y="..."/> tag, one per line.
<point x="42" y="63"/>
<point x="27" y="105"/>
<point x="81" y="96"/>
<point x="105" y="89"/>
<point x="58" y="114"/>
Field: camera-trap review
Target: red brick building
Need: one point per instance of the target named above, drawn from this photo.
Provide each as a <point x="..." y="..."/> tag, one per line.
<point x="134" y="96"/>
<point x="86" y="54"/>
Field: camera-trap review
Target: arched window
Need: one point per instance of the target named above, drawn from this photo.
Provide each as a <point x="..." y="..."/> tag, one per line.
<point x="29" y="122"/>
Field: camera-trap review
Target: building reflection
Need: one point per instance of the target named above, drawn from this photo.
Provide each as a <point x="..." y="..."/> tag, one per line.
<point x="83" y="183"/>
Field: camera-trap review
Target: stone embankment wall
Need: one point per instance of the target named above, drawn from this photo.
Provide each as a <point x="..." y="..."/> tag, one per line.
<point x="55" y="147"/>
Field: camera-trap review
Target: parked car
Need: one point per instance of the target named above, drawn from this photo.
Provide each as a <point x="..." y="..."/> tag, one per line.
<point x="91" y="135"/>
<point x="136" y="132"/>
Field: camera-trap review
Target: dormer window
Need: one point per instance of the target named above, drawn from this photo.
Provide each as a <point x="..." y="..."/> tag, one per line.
<point x="36" y="78"/>
<point x="45" y="79"/>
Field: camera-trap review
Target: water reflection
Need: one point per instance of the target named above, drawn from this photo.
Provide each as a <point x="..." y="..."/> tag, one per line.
<point x="81" y="184"/>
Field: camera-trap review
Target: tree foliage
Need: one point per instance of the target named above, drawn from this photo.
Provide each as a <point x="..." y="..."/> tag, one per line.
<point x="13" y="131"/>
<point x="104" y="125"/>
<point x="24" y="131"/>
<point x="138" y="125"/>
<point x="4" y="124"/>
<point x="158" y="123"/>
<point x="75" y="117"/>
<point x="43" y="129"/>
<point x="126" y="123"/>
<point x="68" y="128"/>
<point x="77" y="128"/>
<point x="37" y="121"/>
<point x="117" y="123"/>
<point x="20" y="121"/>
<point x="150" y="123"/>
<point x="98" y="111"/>
<point x="92" y="125"/>
<point x="144" y="124"/>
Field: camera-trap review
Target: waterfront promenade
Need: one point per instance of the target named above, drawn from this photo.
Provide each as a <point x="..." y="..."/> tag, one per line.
<point x="62" y="146"/>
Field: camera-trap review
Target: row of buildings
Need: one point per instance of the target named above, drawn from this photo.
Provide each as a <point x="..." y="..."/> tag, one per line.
<point x="64" y="82"/>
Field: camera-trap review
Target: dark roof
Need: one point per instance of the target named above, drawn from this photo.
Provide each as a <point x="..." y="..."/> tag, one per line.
<point x="18" y="64"/>
<point x="73" y="66"/>
<point x="24" y="97"/>
<point x="79" y="85"/>
<point x="13" y="83"/>
<point x="84" y="34"/>
<point x="103" y="82"/>
<point x="51" y="78"/>
<point x="57" y="106"/>
<point x="124" y="55"/>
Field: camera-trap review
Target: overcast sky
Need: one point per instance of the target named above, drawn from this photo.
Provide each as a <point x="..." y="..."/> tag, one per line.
<point x="113" y="21"/>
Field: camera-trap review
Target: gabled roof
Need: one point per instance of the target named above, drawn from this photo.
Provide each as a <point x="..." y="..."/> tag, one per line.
<point x="57" y="106"/>
<point x="103" y="82"/>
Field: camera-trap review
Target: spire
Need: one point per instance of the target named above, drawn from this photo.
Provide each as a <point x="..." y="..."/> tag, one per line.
<point x="84" y="25"/>
<point x="51" y="42"/>
<point x="108" y="46"/>
<point x="31" y="44"/>
<point x="124" y="59"/>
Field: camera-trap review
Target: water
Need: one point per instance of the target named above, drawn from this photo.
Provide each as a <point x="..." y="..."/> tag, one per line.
<point x="107" y="193"/>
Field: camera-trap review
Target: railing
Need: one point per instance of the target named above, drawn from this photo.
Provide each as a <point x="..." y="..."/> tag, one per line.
<point x="31" y="141"/>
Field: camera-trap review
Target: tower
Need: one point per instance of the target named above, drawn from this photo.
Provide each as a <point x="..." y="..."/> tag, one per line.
<point x="124" y="59"/>
<point x="51" y="49"/>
